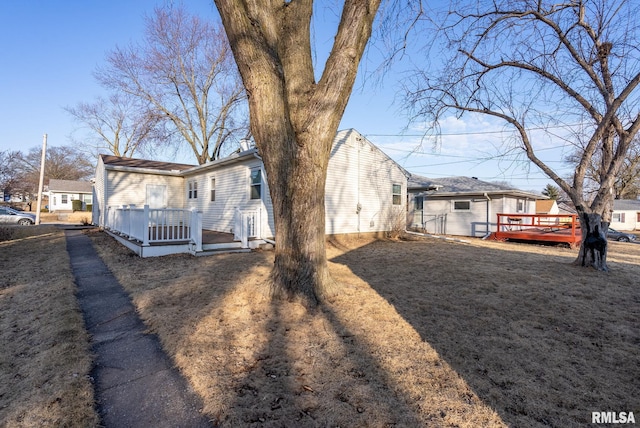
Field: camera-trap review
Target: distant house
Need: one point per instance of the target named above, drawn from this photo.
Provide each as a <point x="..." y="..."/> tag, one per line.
<point x="365" y="191"/>
<point x="62" y="193"/>
<point x="463" y="206"/>
<point x="626" y="214"/>
<point x="547" y="206"/>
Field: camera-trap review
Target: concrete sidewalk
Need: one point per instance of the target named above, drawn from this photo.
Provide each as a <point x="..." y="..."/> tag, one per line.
<point x="135" y="382"/>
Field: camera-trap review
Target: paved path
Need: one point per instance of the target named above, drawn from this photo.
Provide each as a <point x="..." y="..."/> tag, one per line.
<point x="135" y="382"/>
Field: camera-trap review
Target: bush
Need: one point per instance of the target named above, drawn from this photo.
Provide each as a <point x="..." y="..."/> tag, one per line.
<point x="76" y="205"/>
<point x="89" y="207"/>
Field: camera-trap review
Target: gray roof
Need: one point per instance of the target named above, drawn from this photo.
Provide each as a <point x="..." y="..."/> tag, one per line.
<point x="120" y="161"/>
<point x="70" y="186"/>
<point x="626" y="205"/>
<point x="464" y="186"/>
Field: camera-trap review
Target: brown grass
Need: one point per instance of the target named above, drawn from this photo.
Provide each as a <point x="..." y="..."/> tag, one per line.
<point x="425" y="333"/>
<point x="44" y="357"/>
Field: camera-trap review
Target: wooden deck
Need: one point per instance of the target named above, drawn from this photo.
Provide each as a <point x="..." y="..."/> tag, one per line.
<point x="563" y="228"/>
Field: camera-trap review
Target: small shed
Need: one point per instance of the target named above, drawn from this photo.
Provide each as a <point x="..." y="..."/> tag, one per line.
<point x="62" y="193"/>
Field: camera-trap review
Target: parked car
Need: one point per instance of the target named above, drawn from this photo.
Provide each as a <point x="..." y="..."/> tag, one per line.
<point x="11" y="216"/>
<point x="616" y="235"/>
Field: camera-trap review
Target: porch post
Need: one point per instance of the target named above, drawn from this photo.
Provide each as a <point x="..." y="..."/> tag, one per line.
<point x="125" y="222"/>
<point x="196" y="229"/>
<point x="145" y="226"/>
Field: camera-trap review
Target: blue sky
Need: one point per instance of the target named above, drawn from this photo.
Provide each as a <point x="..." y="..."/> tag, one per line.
<point x="50" y="50"/>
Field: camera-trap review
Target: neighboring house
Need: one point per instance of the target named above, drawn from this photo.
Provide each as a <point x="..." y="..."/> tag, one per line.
<point x="365" y="189"/>
<point x="547" y="206"/>
<point x="63" y="192"/>
<point x="463" y="206"/>
<point x="626" y="214"/>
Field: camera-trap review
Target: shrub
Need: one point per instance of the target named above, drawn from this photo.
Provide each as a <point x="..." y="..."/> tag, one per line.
<point x="76" y="205"/>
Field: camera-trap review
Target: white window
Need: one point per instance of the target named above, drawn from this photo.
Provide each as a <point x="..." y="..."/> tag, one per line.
<point x="213" y="189"/>
<point x="396" y="191"/>
<point x="256" y="184"/>
<point x="520" y="205"/>
<point x="461" y="205"/>
<point x="193" y="189"/>
<point x="63" y="199"/>
<point x="617" y="217"/>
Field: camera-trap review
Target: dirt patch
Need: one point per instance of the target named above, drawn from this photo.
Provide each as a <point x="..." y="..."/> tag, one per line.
<point x="425" y="333"/>
<point x="44" y="352"/>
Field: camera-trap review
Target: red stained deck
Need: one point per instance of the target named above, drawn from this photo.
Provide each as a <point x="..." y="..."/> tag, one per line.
<point x="561" y="228"/>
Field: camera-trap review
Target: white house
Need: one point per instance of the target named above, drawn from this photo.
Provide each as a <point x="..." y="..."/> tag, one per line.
<point x="463" y="206"/>
<point x="62" y="193"/>
<point x="626" y="214"/>
<point x="365" y="189"/>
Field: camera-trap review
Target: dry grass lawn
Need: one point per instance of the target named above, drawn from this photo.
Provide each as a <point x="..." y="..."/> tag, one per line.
<point x="44" y="349"/>
<point x="425" y="333"/>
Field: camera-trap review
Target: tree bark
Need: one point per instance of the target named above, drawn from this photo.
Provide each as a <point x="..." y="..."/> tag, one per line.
<point x="294" y="120"/>
<point x="593" y="249"/>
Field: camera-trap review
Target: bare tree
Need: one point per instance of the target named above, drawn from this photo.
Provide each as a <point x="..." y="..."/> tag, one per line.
<point x="185" y="71"/>
<point x="294" y="119"/>
<point x="627" y="181"/>
<point x="547" y="66"/>
<point x="119" y="124"/>
<point x="62" y="163"/>
<point x="8" y="175"/>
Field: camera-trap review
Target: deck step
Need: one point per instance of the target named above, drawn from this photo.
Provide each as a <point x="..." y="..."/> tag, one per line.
<point x="222" y="246"/>
<point x="222" y="251"/>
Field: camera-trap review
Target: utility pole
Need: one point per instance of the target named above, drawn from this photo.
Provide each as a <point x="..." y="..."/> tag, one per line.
<point x="41" y="183"/>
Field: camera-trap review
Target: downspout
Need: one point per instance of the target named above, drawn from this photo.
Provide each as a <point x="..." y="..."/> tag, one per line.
<point x="488" y="216"/>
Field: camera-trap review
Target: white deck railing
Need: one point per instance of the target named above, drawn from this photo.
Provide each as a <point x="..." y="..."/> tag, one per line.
<point x="155" y="225"/>
<point x="246" y="225"/>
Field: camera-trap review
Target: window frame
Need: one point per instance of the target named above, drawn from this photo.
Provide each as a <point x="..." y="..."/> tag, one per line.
<point x="396" y="196"/>
<point x="620" y="215"/>
<point x="192" y="189"/>
<point x="255" y="195"/>
<point x="454" y="208"/>
<point x="212" y="189"/>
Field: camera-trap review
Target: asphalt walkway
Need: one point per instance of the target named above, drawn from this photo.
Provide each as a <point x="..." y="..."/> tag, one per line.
<point x="135" y="383"/>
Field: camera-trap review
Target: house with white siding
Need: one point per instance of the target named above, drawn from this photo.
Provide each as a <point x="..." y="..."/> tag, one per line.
<point x="62" y="193"/>
<point x="366" y="191"/>
<point x="626" y="214"/>
<point x="463" y="206"/>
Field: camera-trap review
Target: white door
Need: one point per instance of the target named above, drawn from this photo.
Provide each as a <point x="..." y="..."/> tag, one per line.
<point x="156" y="196"/>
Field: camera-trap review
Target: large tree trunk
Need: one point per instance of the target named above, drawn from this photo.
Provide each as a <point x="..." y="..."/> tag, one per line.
<point x="294" y="120"/>
<point x="593" y="249"/>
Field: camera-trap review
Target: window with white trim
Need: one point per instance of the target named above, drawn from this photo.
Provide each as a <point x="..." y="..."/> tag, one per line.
<point x="256" y="184"/>
<point x="396" y="192"/>
<point x="212" y="189"/>
<point x="618" y="217"/>
<point x="193" y="189"/>
<point x="520" y="206"/>
<point x="461" y="205"/>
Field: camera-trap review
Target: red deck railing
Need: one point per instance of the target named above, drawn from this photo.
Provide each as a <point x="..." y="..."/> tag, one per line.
<point x="539" y="227"/>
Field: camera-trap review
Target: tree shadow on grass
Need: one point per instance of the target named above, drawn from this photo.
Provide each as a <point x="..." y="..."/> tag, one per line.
<point x="542" y="342"/>
<point x="274" y="363"/>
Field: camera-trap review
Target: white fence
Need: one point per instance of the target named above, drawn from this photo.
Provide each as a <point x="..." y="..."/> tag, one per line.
<point x="156" y="225"/>
<point x="246" y="225"/>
